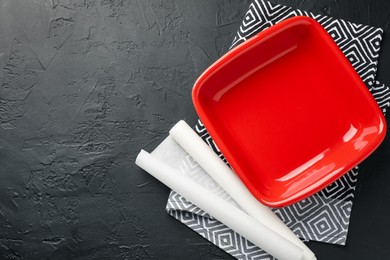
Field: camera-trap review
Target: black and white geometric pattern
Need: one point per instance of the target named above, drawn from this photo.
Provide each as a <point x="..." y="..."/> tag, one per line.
<point x="359" y="43"/>
<point x="323" y="216"/>
<point x="214" y="231"/>
<point x="381" y="94"/>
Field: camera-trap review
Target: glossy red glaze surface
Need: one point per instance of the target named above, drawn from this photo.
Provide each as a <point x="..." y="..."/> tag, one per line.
<point x="288" y="111"/>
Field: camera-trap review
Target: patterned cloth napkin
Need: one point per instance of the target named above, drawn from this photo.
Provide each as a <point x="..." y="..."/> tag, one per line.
<point x="323" y="216"/>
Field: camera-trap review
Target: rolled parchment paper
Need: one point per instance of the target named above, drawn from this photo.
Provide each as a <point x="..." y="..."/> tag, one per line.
<point x="183" y="134"/>
<point x="231" y="216"/>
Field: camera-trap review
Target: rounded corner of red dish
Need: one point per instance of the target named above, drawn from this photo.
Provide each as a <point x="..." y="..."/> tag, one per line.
<point x="383" y="131"/>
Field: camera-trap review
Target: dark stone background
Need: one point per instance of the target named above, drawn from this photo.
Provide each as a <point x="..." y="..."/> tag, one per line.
<point x="86" y="84"/>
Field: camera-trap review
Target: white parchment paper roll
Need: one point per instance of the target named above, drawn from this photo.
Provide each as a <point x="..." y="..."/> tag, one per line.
<point x="183" y="134"/>
<point x="231" y="216"/>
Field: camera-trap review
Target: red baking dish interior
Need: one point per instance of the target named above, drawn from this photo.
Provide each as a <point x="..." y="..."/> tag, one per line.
<point x="288" y="111"/>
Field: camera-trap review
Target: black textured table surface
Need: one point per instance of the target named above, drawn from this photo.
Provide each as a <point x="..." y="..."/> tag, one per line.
<point x="86" y="84"/>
